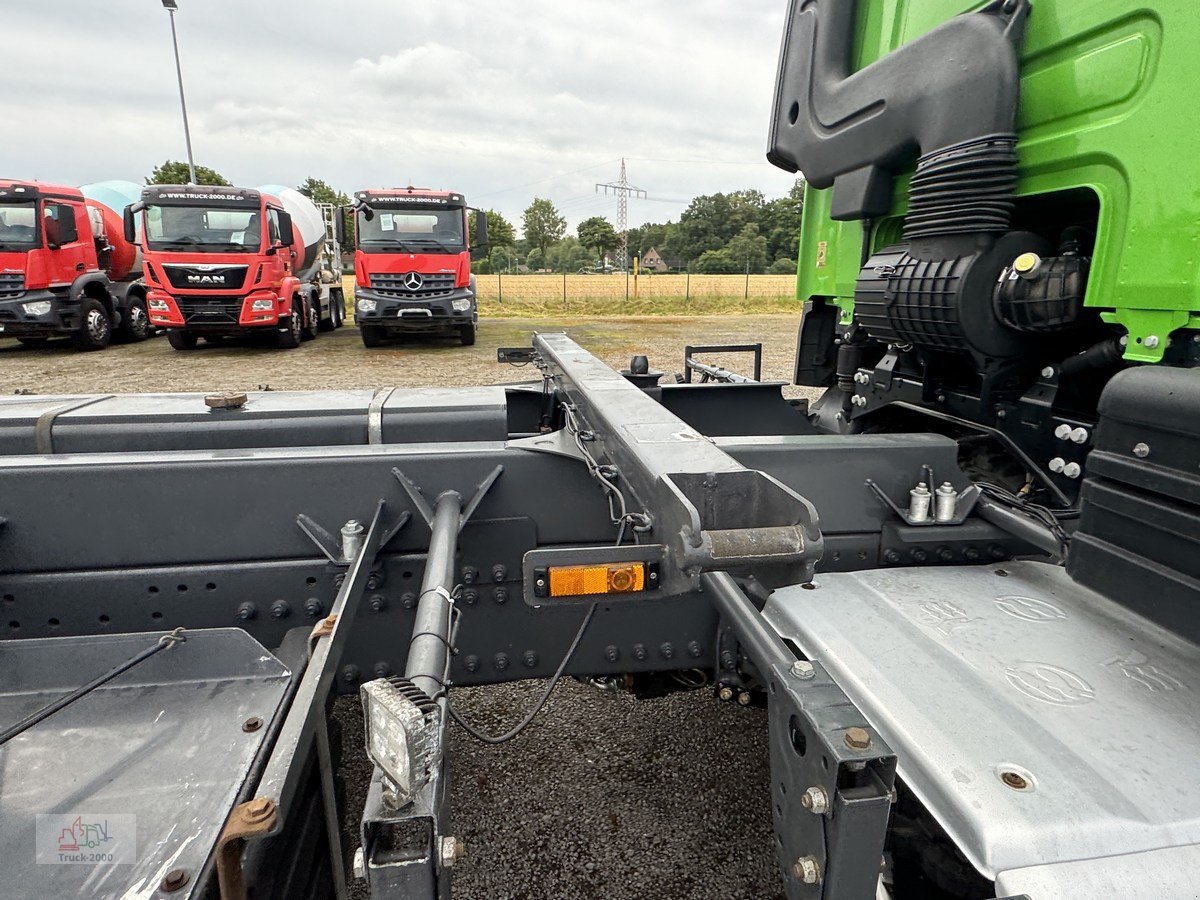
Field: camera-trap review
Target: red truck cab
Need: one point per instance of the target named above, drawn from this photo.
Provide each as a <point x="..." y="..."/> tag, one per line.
<point x="229" y="261"/>
<point x="55" y="263"/>
<point x="413" y="263"/>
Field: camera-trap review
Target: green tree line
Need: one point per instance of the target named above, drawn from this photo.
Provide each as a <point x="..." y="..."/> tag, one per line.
<point x="739" y="231"/>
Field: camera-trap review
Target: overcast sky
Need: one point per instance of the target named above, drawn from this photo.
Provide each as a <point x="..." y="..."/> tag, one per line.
<point x="500" y="100"/>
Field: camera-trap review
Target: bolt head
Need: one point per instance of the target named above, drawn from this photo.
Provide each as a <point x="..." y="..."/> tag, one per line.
<point x="174" y="880"/>
<point x="815" y="800"/>
<point x="1151" y="341"/>
<point x="1141" y="451"/>
<point x="1079" y="435"/>
<point x="451" y="850"/>
<point x="378" y="603"/>
<point x="259" y="808"/>
<point x="611" y="653"/>
<point x="1072" y="470"/>
<point x="1048" y="372"/>
<point x="1063" y="431"/>
<point x="247" y="611"/>
<point x="807" y="869"/>
<point x="725" y="693"/>
<point x="252" y="724"/>
<point x="744" y="698"/>
<point x="858" y="738"/>
<point x="280" y="609"/>
<point x="1057" y="464"/>
<point x="802" y="668"/>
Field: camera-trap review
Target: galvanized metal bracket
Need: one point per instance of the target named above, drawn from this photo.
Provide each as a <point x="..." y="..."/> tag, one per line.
<point x="832" y="775"/>
<point x="422" y="505"/>
<point x="331" y="547"/>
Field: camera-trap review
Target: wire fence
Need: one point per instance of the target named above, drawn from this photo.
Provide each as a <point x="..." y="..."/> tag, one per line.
<point x="619" y="294"/>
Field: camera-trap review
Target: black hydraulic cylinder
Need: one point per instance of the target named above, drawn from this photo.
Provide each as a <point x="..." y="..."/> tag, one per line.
<point x="429" y="648"/>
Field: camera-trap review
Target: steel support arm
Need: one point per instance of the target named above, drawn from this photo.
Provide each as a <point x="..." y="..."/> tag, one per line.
<point x="709" y="511"/>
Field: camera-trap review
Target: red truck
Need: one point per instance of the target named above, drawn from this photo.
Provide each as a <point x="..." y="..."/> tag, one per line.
<point x="65" y="266"/>
<point x="413" y="263"/>
<point x="229" y="261"/>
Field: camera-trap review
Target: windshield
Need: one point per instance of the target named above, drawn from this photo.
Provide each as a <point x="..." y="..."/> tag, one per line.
<point x="219" y="229"/>
<point x="18" y="226"/>
<point x="425" y="230"/>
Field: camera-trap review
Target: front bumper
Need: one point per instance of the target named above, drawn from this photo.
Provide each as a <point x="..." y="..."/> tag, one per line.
<point x="62" y="318"/>
<point x="402" y="315"/>
<point x="213" y="313"/>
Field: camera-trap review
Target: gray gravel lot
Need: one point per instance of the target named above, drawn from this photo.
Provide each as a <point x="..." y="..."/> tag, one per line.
<point x="604" y="797"/>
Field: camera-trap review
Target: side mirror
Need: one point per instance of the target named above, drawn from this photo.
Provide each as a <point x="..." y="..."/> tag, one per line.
<point x="367" y="213"/>
<point x="480" y="242"/>
<point x="128" y="222"/>
<point x="271" y="251"/>
<point x="339" y="225"/>
<point x="286" y="237"/>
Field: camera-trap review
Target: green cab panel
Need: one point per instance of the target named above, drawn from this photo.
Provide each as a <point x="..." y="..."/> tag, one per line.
<point x="1109" y="105"/>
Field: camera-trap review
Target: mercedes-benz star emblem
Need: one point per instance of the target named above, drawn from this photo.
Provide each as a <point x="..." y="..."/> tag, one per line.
<point x="413" y="281"/>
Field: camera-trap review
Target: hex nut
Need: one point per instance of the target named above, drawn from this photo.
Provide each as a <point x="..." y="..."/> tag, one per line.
<point x="174" y="880"/>
<point x="744" y="698"/>
<point x="815" y="800"/>
<point x="858" y="738"/>
<point x="725" y="693"/>
<point x="1141" y="450"/>
<point x="803" y="669"/>
<point x="807" y="869"/>
<point x="280" y="609"/>
<point x="451" y="850"/>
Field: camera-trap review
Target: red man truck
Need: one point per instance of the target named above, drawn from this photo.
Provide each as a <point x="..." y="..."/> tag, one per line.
<point x="413" y="263"/>
<point x="65" y="266"/>
<point x="227" y="261"/>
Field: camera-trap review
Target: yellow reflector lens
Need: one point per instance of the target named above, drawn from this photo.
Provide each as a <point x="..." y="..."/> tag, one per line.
<point x="579" y="581"/>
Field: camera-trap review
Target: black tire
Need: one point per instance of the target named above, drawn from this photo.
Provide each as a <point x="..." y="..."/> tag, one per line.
<point x="37" y="341"/>
<point x="135" y="324"/>
<point x="373" y="335"/>
<point x="329" y="324"/>
<point x="182" y="340"/>
<point x="290" y="338"/>
<point x="312" y="322"/>
<point x="466" y="334"/>
<point x="338" y="316"/>
<point x="95" y="327"/>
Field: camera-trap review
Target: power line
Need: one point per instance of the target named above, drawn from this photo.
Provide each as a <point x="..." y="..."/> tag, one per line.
<point x="517" y="187"/>
<point x="624" y="190"/>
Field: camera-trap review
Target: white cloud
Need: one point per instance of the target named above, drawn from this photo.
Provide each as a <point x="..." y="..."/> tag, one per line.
<point x="502" y="100"/>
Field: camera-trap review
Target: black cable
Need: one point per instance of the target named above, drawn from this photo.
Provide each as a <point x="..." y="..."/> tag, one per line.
<point x="537" y="708"/>
<point x="167" y="640"/>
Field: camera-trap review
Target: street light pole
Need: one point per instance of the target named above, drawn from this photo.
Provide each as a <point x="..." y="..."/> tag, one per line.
<point x="171" y="6"/>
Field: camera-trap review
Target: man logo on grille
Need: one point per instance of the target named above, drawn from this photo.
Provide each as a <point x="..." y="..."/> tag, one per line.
<point x="412" y="281"/>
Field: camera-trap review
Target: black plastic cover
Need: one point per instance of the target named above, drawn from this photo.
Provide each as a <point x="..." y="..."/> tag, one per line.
<point x="855" y="130"/>
<point x="1139" y="535"/>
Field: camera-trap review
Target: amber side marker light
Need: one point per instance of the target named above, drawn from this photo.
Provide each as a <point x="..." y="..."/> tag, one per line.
<point x="596" y="580"/>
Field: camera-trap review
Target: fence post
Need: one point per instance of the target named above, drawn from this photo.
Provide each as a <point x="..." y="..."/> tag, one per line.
<point x="627" y="284"/>
<point x="746" y="295"/>
<point x="500" y="285"/>
<point x="687" y="290"/>
<point x="564" y="288"/>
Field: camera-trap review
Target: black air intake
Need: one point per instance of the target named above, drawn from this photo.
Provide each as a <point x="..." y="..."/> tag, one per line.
<point x="948" y="97"/>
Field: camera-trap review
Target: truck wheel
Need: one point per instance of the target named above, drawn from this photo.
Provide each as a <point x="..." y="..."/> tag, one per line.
<point x="95" y="330"/>
<point x="373" y="335"/>
<point x="291" y="337"/>
<point x="312" y="323"/>
<point x="330" y="323"/>
<point x="135" y="325"/>
<point x="466" y="334"/>
<point x="181" y="340"/>
<point x="339" y="310"/>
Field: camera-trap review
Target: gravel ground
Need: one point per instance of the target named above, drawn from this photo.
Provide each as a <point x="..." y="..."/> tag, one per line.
<point x="604" y="797"/>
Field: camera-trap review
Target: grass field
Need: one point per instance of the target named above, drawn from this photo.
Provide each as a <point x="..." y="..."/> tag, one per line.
<point x="520" y="296"/>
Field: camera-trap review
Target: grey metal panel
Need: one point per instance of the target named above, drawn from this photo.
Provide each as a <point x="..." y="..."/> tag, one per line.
<point x="116" y="510"/>
<point x="1153" y="875"/>
<point x="148" y="422"/>
<point x="162" y="742"/>
<point x="831" y="470"/>
<point x="445" y="414"/>
<point x="969" y="673"/>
